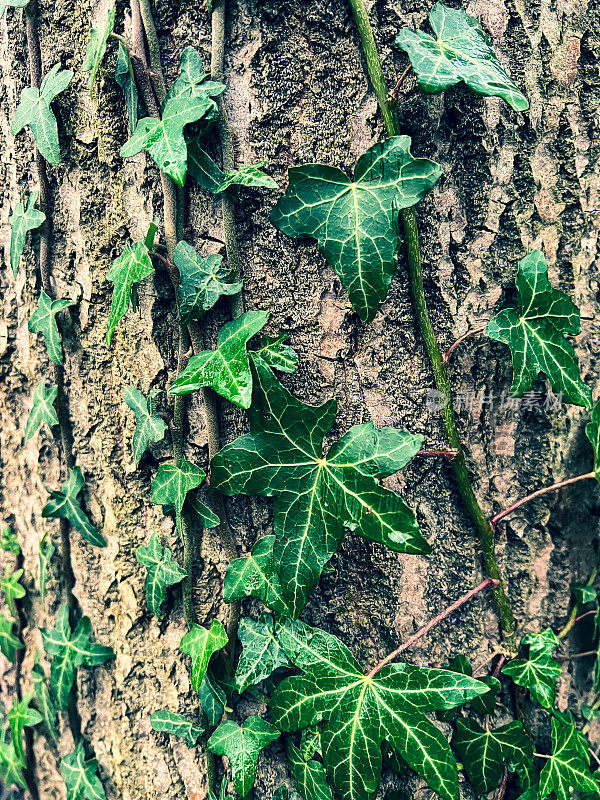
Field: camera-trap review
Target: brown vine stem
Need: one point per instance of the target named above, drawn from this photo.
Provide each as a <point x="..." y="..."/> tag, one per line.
<point x="443" y="453"/>
<point x="534" y="495"/>
<point x="460" y="340"/>
<point x="458" y="465"/>
<point x="395" y="93"/>
<point x="573" y="618"/>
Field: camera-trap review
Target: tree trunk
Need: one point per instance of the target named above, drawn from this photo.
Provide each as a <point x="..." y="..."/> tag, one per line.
<point x="297" y="92"/>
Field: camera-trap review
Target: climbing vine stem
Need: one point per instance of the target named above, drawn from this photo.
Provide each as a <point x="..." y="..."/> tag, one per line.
<point x="458" y="464"/>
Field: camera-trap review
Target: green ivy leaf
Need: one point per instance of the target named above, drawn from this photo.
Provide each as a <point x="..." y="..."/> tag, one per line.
<point x="356" y="222"/>
<point x="9" y="542"/>
<point x="255" y="576"/>
<point x="226" y="369"/>
<point x="125" y="78"/>
<point x="70" y="649"/>
<point x="4" y="4"/>
<point x="316" y="497"/>
<point x="261" y="654"/>
<point x="192" y="80"/>
<point x="44" y="701"/>
<point x="12" y="589"/>
<point x="212" y="699"/>
<point x="203" y="281"/>
<point x="360" y="711"/>
<point x="584" y="594"/>
<point x="309" y="776"/>
<point x="96" y="47"/>
<point x="276" y="354"/>
<point x="250" y="175"/>
<point x="203" y="515"/>
<point x="23" y="219"/>
<point x="200" y="643"/>
<point x="242" y="746"/>
<point x="568" y="768"/>
<point x="80" y="776"/>
<point x="148" y="426"/>
<point x="19" y="716"/>
<point x="162" y="572"/>
<point x="34" y="110"/>
<point x="63" y="504"/>
<point x="485" y="752"/>
<point x="460" y="51"/>
<point x="131" y="267"/>
<point x="171" y="484"/>
<point x="47" y="549"/>
<point x="43" y="321"/>
<point x="539" y="672"/>
<point x="11" y="766"/>
<point x="9" y="643"/>
<point x="545" y="642"/>
<point x="168" y="722"/>
<point x="485" y="703"/>
<point x="42" y="409"/>
<point x="210" y="178"/>
<point x="592" y="431"/>
<point x="536" y="333"/>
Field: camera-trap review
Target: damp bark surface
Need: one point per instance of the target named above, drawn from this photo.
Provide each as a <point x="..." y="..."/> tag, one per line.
<point x="297" y="92"/>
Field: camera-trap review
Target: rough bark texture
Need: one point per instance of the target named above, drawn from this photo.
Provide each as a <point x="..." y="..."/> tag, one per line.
<point x="297" y="92"/>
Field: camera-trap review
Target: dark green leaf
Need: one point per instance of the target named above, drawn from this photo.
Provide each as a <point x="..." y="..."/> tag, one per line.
<point x="582" y="593"/>
<point x="34" y="110"/>
<point x="212" y="699"/>
<point x="169" y="722"/>
<point x="210" y="178"/>
<point x="198" y="511"/>
<point x="226" y="369"/>
<point x="96" y="47"/>
<point x="536" y="333"/>
<point x="11" y="766"/>
<point x="255" y="576"/>
<point x="308" y="775"/>
<point x="162" y="572"/>
<point x="125" y="77"/>
<point x="23" y="219"/>
<point x="242" y="746"/>
<point x="250" y="175"/>
<point x="316" y="497"/>
<point x="356" y="222"/>
<point x="171" y="484"/>
<point x="568" y="768"/>
<point x="63" y="503"/>
<point x="460" y="51"/>
<point x="200" y="643"/>
<point x="131" y="267"/>
<point x="261" y="654"/>
<point x="9" y="643"/>
<point x="46" y="551"/>
<point x="276" y="354"/>
<point x="538" y="673"/>
<point x="12" y="589"/>
<point x="148" y="426"/>
<point x="42" y="409"/>
<point x="310" y="742"/>
<point x="44" y="701"/>
<point x="43" y="321"/>
<point x="545" y="642"/>
<point x="203" y="281"/>
<point x="80" y="776"/>
<point x="9" y="542"/>
<point x="19" y="716"/>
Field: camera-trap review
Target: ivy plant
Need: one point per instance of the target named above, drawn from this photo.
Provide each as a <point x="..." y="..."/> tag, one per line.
<point x="24" y="218"/>
<point x="9" y="542"/>
<point x="44" y="700"/>
<point x="210" y="178"/>
<point x="169" y="722"/>
<point x="200" y="644"/>
<point x="568" y="766"/>
<point x="202" y="281"/>
<point x="172" y="487"/>
<point x="63" y="504"/>
<point x="20" y="716"/>
<point x="81" y="776"/>
<point x="162" y="572"/>
<point x="308" y="774"/>
<point x="125" y="78"/>
<point x="43" y="320"/>
<point x="97" y="47"/>
<point x="149" y="427"/>
<point x="131" y="267"/>
<point x="12" y="589"/>
<point x="42" y="409"/>
<point x="9" y="642"/>
<point x="261" y="654"/>
<point x="539" y="671"/>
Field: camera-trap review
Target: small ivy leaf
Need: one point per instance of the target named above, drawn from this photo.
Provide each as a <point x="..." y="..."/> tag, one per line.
<point x="485" y="752"/>
<point x="42" y="409"/>
<point x="310" y="742"/>
<point x="359" y="712"/>
<point x="9" y="643"/>
<point x="212" y="699"/>
<point x="536" y="333"/>
<point x="148" y="426"/>
<point x="242" y="746"/>
<point x="131" y="267"/>
<point x="309" y="776"/>
<point x="356" y="221"/>
<point x="125" y="78"/>
<point x="9" y="542"/>
<point x="317" y="498"/>
<point x="203" y="515"/>
<point x="592" y="431"/>
<point x="255" y="576"/>
<point x="47" y="549"/>
<point x="43" y="321"/>
<point x="34" y="110"/>
<point x="96" y="47"/>
<point x="203" y="281"/>
<point x="4" y="4"/>
<point x="200" y="643"/>
<point x="589" y="712"/>
<point x="250" y="175"/>
<point x="210" y="178"/>
<point x="226" y="369"/>
<point x="70" y="649"/>
<point x="485" y="703"/>
<point x="80" y="776"/>
<point x="568" y="768"/>
<point x="44" y="701"/>
<point x="261" y="654"/>
<point x="539" y="672"/>
<point x="162" y="572"/>
<point x="12" y="589"/>
<point x="19" y="716"/>
<point x="63" y="504"/>
<point x="168" y="722"/>
<point x="583" y="594"/>
<point x="460" y="51"/>
<point x="277" y="355"/>
<point x="545" y="642"/>
<point x="171" y="484"/>
<point x="23" y="219"/>
<point x="11" y="766"/>
<point x="192" y="80"/>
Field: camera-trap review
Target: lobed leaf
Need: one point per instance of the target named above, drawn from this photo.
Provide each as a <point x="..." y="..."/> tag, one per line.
<point x="9" y="643"/>
<point x="96" y="47"/>
<point x="9" y="542"/>
<point x="309" y="776"/>
<point x="539" y="671"/>
<point x="168" y="722"/>
<point x="24" y="218"/>
<point x="255" y="576"/>
<point x="148" y="426"/>
<point x="12" y="589"/>
<point x="276" y="354"/>
<point x="80" y="776"/>
<point x="63" y="504"/>
<point x="42" y="409"/>
<point x="592" y="431"/>
<point x="261" y="653"/>
<point x="242" y="746"/>
<point x="12" y="766"/>
<point x="210" y="178"/>
<point x="568" y="768"/>
<point x="200" y="643"/>
<point x="162" y="571"/>
<point x="131" y="267"/>
<point x="171" y="484"/>
<point x="43" y="321"/>
<point x="203" y="281"/>
<point x="20" y="716"/>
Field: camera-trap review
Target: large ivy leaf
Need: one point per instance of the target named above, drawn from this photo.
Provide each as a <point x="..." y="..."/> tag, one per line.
<point x="460" y="51"/>
<point x="568" y="768"/>
<point x="242" y="746"/>
<point x="131" y="267"/>
<point x="361" y="711"/>
<point x="317" y="497"/>
<point x="9" y="542"/>
<point x="168" y="722"/>
<point x="484" y="752"/>
<point x="96" y="47"/>
<point x="539" y="671"/>
<point x="255" y="576"/>
<point x="148" y="426"/>
<point x="162" y="571"/>
<point x="34" y="110"/>
<point x="203" y="281"/>
<point x="212" y="699"/>
<point x="210" y="178"/>
<point x="63" y="503"/>
<point x="592" y="431"/>
<point x="9" y="643"/>
<point x="308" y="775"/>
<point x="261" y="654"/>
<point x="226" y="369"/>
<point x="70" y="649"/>
<point x="171" y="484"/>
<point x="43" y="321"/>
<point x="23" y="219"/>
<point x="80" y="776"/>
<point x="356" y="221"/>
<point x="19" y="716"/>
<point x="200" y="643"/>
<point x="47" y="549"/>
<point x="44" y="700"/>
<point x="536" y="333"/>
<point x="12" y="589"/>
<point x="125" y="78"/>
<point x="42" y="409"/>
